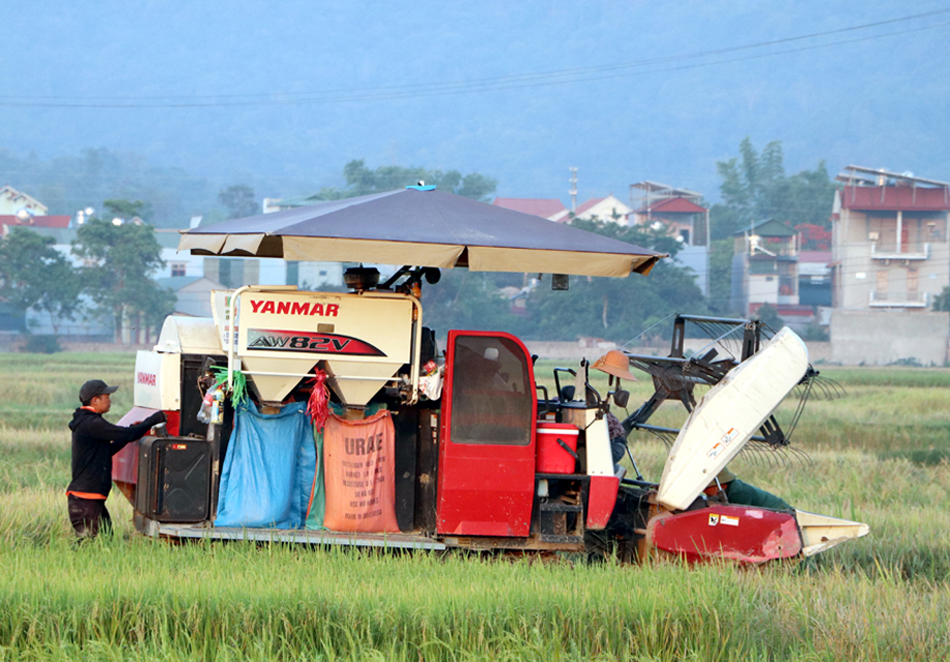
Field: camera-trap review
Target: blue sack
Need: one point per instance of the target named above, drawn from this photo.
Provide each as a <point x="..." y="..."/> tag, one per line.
<point x="269" y="469"/>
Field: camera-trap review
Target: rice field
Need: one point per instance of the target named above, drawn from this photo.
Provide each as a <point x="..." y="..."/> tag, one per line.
<point x="878" y="454"/>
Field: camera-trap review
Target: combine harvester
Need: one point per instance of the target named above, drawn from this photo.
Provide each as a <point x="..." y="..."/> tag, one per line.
<point x="354" y="429"/>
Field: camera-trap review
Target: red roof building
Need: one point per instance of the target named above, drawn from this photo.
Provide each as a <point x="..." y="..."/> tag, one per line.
<point x="676" y="208"/>
<point x="677" y="205"/>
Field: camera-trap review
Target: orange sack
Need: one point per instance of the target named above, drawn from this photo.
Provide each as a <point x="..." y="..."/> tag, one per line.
<point x="360" y="480"/>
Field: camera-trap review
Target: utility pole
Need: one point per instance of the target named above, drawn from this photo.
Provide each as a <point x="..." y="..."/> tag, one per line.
<point x="573" y="190"/>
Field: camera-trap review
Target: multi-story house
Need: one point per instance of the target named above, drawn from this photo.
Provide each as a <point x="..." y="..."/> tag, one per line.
<point x="891" y="259"/>
<point x="680" y="211"/>
<point x="890" y="238"/>
<point x="765" y="268"/>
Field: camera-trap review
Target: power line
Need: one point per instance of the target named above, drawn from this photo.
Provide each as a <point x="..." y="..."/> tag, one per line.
<point x="518" y="81"/>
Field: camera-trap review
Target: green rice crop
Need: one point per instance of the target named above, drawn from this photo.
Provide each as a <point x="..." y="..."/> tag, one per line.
<point x="127" y="597"/>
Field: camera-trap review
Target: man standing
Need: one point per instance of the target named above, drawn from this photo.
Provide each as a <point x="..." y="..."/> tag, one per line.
<point x="95" y="441"/>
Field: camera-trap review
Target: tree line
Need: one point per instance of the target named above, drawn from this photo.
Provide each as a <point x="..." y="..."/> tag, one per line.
<point x="110" y="275"/>
<point x="116" y="261"/>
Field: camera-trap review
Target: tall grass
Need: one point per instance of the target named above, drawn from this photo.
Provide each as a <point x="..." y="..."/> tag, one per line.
<point x="125" y="597"/>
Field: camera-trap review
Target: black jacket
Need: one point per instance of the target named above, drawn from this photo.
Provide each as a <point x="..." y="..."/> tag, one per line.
<point x="95" y="441"/>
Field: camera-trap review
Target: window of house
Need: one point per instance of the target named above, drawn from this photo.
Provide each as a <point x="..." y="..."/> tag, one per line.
<point x="935" y="230"/>
<point x="882" y="282"/>
<point x="179" y="269"/>
<point x="684" y="234"/>
<point x="913" y="280"/>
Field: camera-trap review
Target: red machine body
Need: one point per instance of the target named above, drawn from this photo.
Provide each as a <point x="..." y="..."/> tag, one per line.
<point x="478" y="460"/>
<point x="739" y="533"/>
<point x="488" y="451"/>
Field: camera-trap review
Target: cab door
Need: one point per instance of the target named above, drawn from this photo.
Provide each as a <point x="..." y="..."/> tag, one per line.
<point x="487" y="449"/>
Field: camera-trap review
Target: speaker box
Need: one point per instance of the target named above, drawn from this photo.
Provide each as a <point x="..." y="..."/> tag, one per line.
<point x="174" y="479"/>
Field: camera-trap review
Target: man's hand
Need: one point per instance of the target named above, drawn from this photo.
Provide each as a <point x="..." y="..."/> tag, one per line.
<point x="156" y="418"/>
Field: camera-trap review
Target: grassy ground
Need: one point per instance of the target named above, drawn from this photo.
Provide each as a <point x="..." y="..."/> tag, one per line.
<point x="878" y="455"/>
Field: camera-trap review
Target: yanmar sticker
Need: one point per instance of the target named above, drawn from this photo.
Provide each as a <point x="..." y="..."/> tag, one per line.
<point x="295" y="308"/>
<point x="147" y="378"/>
<point x="299" y="341"/>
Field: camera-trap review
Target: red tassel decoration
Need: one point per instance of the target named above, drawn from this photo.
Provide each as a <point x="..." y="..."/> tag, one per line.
<point x="318" y="406"/>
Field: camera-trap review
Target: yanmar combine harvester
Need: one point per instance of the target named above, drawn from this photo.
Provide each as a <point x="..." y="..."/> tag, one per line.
<point x="334" y="418"/>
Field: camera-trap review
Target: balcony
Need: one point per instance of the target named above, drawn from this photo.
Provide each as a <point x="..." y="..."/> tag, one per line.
<point x="889" y="251"/>
<point x="899" y="299"/>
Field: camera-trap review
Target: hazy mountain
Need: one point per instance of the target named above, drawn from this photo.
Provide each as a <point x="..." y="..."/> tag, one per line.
<point x="282" y="95"/>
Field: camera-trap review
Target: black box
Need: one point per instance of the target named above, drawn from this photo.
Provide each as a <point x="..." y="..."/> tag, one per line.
<point x="174" y="479"/>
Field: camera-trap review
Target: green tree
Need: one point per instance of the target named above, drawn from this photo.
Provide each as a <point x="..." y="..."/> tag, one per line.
<point x="768" y="314"/>
<point x="361" y="180"/>
<point x="128" y="209"/>
<point x="239" y="201"/>
<point x="657" y="239"/>
<point x="615" y="308"/>
<point x="755" y="187"/>
<point x="942" y="300"/>
<point x="468" y="300"/>
<point x="720" y="275"/>
<point x="120" y="259"/>
<point x="35" y="275"/>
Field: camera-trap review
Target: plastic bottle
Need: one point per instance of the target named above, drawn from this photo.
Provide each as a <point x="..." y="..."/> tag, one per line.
<point x="204" y="414"/>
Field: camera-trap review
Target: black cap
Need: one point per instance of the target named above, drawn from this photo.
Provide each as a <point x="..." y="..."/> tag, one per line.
<point x="94" y="387"/>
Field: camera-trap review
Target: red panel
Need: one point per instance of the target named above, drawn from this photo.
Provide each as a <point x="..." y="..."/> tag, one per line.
<point x="601" y="500"/>
<point x="552" y="457"/>
<point x="905" y="198"/>
<point x="36" y="221"/>
<point x="173" y="422"/>
<point x="738" y="533"/>
<point x="484" y="489"/>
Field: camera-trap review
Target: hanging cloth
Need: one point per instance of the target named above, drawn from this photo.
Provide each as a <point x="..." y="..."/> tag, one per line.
<point x="268" y="470"/>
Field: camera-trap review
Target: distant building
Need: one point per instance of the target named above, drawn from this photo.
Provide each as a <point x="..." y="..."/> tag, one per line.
<point x="891" y="258"/>
<point x="765" y="269"/>
<point x="602" y="209"/>
<point x="890" y="240"/>
<point x="680" y="211"/>
<point x="13" y="201"/>
<point x="20" y="209"/>
<point x="550" y="208"/>
<point x="193" y="294"/>
<point x="814" y="278"/>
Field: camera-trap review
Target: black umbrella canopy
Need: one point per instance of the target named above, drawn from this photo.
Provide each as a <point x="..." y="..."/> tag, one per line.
<point x="425" y="228"/>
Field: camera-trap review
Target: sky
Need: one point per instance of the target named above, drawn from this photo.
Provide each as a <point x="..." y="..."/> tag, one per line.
<point x="283" y="94"/>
